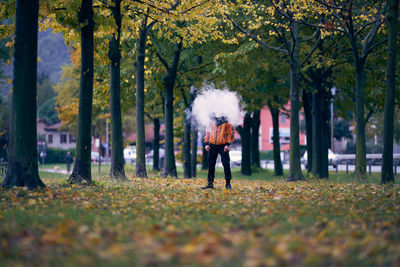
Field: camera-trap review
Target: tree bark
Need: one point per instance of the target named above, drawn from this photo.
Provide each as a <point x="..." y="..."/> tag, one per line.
<point x="276" y="143"/>
<point x="361" y="161"/>
<point x="204" y="157"/>
<point x="140" y="125"/>
<point x="388" y="127"/>
<point x="23" y="159"/>
<point x="325" y="135"/>
<point x="169" y="82"/>
<point x="187" y="172"/>
<point x="295" y="173"/>
<point x="82" y="166"/>
<point x="117" y="170"/>
<point x="317" y="130"/>
<point x="307" y="105"/>
<point x="245" y="137"/>
<point x="255" y="129"/>
<point x="193" y="164"/>
<point x="156" y="145"/>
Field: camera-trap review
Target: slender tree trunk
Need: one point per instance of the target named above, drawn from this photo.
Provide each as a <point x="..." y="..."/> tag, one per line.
<point x="82" y="167"/>
<point x="169" y="163"/>
<point x="388" y="127"/>
<point x="361" y="162"/>
<point x="193" y="164"/>
<point x="316" y="128"/>
<point x="186" y="147"/>
<point x="307" y="105"/>
<point x="255" y="129"/>
<point x="156" y="145"/>
<point x="295" y="167"/>
<point x="277" y="146"/>
<point x="319" y="127"/>
<point x="117" y="170"/>
<point x="325" y="122"/>
<point x="140" y="125"/>
<point x="23" y="158"/>
<point x="169" y="82"/>
<point x="245" y="137"/>
<point x="204" y="157"/>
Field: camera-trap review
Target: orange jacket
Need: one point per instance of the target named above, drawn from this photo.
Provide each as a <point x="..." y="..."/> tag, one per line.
<point x="223" y="134"/>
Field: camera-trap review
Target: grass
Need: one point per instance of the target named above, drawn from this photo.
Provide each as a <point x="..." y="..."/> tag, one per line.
<point x="263" y="221"/>
<point x="258" y="174"/>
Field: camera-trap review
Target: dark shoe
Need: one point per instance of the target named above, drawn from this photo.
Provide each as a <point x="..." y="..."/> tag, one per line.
<point x="228" y="186"/>
<point x="209" y="186"/>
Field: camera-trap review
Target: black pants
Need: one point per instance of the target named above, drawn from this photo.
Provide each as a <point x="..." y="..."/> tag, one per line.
<point x="212" y="159"/>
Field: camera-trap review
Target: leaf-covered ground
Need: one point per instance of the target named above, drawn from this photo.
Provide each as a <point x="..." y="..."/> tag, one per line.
<point x="172" y="222"/>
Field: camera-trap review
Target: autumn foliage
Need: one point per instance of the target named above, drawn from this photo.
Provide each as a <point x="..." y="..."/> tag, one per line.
<point x="172" y="222"/>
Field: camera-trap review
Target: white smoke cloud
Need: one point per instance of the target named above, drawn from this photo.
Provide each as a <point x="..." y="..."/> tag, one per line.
<point x="221" y="103"/>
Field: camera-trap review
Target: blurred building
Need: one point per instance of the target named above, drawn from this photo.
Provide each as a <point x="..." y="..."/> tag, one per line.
<point x="54" y="136"/>
<point x="284" y="130"/>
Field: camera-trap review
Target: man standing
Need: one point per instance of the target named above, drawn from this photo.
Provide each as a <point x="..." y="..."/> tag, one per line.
<point x="217" y="141"/>
<point x="69" y="161"/>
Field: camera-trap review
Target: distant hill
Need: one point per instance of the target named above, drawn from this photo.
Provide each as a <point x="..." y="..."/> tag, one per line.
<point x="53" y="52"/>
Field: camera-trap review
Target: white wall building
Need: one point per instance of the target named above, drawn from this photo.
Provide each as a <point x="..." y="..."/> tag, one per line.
<point x="55" y="138"/>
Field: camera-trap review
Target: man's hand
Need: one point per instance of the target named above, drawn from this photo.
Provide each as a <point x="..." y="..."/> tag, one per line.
<point x="207" y="147"/>
<point x="226" y="148"/>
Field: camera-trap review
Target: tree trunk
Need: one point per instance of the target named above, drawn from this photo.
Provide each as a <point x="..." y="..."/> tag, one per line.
<point x="23" y="158"/>
<point x="193" y="164"/>
<point x="82" y="166"/>
<point x="140" y="125"/>
<point x="317" y="130"/>
<point x="276" y="143"/>
<point x="204" y="157"/>
<point x="245" y="137"/>
<point x="156" y="145"/>
<point x="169" y="82"/>
<point x="320" y="128"/>
<point x="388" y="127"/>
<point x="295" y="173"/>
<point x="361" y="162"/>
<point x="117" y="170"/>
<point x="325" y="141"/>
<point x="186" y="147"/>
<point x="255" y="129"/>
<point x="307" y="105"/>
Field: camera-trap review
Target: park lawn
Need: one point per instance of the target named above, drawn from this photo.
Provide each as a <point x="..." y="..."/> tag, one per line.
<point x="161" y="221"/>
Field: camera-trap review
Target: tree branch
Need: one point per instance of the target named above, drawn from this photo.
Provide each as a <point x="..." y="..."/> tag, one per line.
<point x="197" y="67"/>
<point x="153" y="6"/>
<point x="253" y="37"/>
<point x="163" y="61"/>
<point x="317" y="43"/>
<point x="193" y="7"/>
